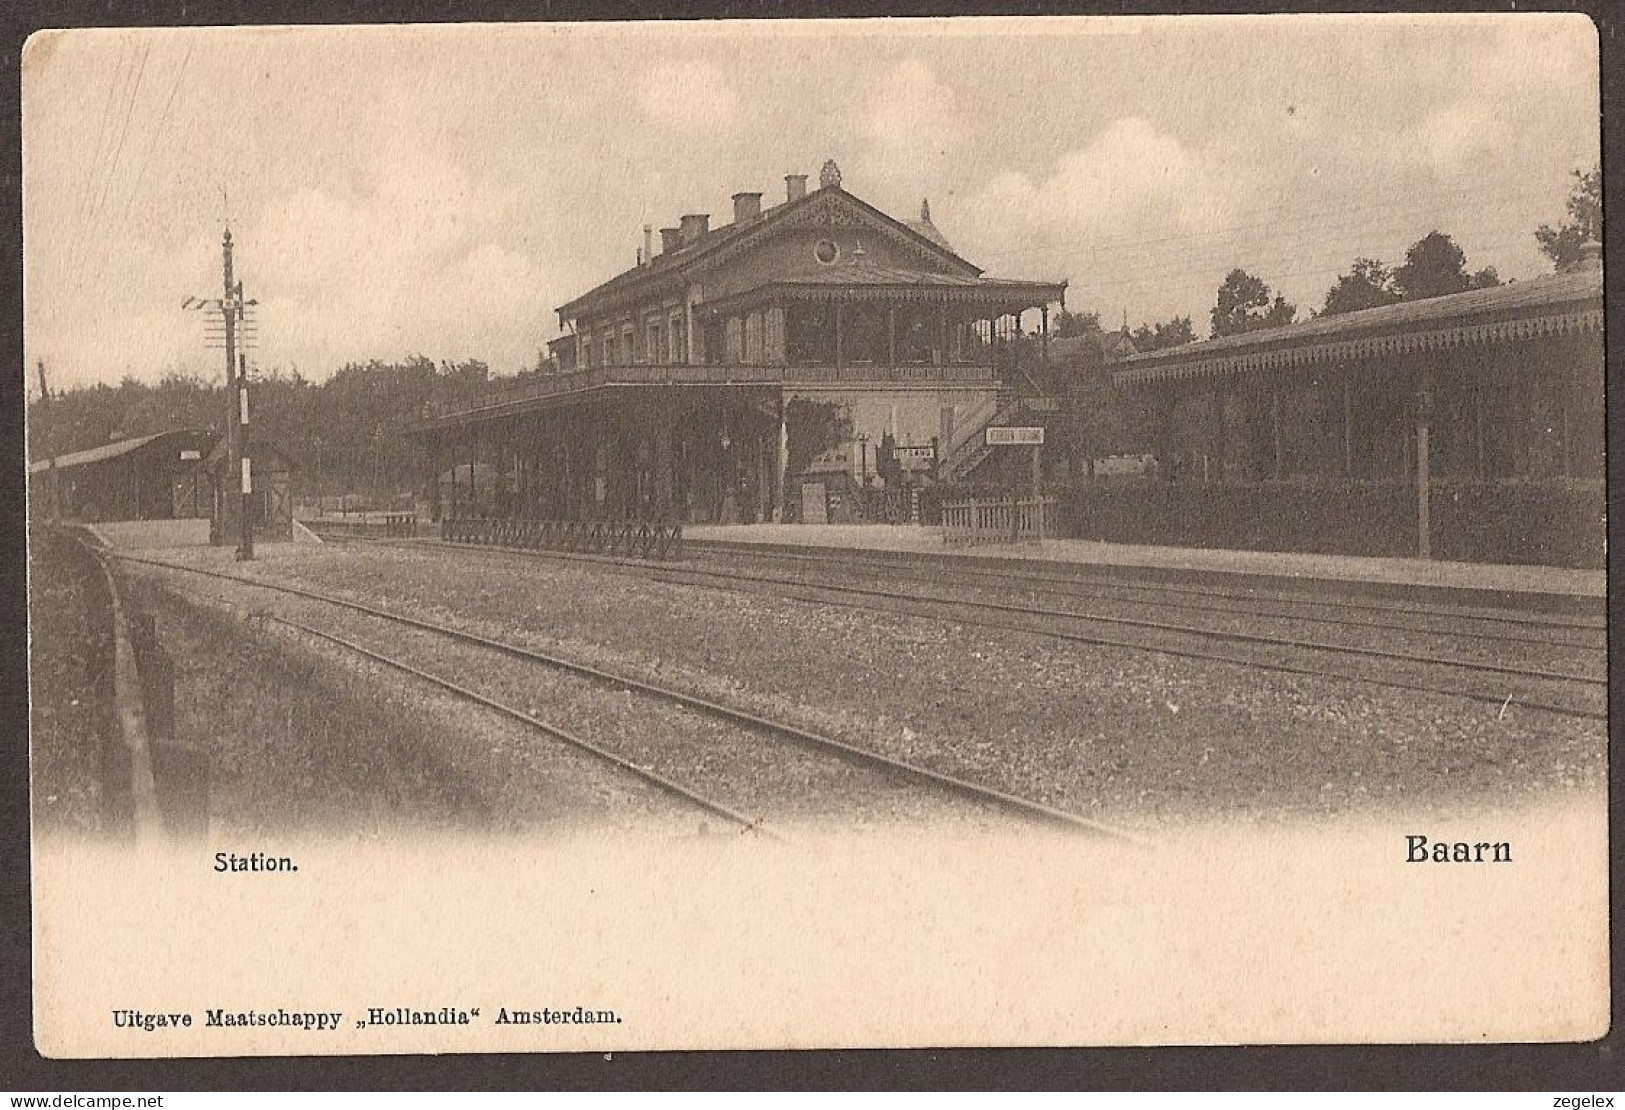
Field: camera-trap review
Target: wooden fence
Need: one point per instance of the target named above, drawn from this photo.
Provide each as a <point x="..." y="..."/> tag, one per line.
<point x="1006" y="520"/>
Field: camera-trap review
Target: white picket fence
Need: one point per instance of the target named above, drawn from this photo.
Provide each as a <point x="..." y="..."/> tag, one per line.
<point x="1007" y="520"/>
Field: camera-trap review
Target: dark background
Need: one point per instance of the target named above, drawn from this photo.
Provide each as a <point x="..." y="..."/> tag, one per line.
<point x="1561" y="1068"/>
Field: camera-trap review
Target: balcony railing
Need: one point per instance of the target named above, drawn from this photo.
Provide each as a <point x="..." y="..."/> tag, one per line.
<point x="542" y="387"/>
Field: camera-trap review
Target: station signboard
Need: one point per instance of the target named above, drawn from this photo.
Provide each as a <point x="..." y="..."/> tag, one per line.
<point x="191" y="455"/>
<point x="1041" y="404"/>
<point x="925" y="452"/>
<point x="1015" y="437"/>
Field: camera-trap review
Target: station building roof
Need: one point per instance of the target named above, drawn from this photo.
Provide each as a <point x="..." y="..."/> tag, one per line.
<point x="713" y="244"/>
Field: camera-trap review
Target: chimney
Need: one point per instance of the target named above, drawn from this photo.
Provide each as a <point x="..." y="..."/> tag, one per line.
<point x="670" y="239"/>
<point x="747" y="207"/>
<point x="795" y="186"/>
<point x="694" y="225"/>
<point x="648" y="243"/>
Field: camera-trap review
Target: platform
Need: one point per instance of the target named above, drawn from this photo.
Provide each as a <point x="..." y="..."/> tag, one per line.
<point x="1466" y="582"/>
<point x="141" y="534"/>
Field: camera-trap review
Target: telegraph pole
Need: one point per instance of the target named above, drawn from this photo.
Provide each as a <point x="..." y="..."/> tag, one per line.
<point x="233" y="317"/>
<point x="237" y="450"/>
<point x="246" y="549"/>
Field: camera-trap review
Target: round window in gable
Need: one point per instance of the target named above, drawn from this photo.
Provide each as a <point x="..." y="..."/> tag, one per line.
<point x="826" y="251"/>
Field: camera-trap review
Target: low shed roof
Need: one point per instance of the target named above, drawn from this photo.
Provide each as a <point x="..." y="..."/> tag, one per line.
<point x="178" y="439"/>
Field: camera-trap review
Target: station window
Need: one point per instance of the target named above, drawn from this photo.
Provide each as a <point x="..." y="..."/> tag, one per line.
<point x="810" y="334"/>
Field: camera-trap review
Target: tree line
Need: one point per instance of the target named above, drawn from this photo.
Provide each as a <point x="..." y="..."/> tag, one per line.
<point x="343" y="433"/>
<point x="1434" y="266"/>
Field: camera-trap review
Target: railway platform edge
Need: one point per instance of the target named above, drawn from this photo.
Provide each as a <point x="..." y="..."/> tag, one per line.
<point x="1522" y="587"/>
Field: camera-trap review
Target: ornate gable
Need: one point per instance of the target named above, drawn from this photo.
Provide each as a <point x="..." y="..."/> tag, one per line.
<point x="830" y="207"/>
<point x="833" y="207"/>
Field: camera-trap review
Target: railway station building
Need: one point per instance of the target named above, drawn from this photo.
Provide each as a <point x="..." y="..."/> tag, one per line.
<point x="704" y="382"/>
<point x="1503" y="384"/>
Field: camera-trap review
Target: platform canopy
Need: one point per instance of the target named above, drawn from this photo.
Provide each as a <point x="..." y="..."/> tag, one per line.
<point x="1553" y="305"/>
<point x="863" y="281"/>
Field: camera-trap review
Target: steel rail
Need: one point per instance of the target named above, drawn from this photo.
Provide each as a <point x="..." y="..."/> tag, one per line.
<point x="1215" y="657"/>
<point x="992" y="579"/>
<point x="668" y="574"/>
<point x="1498" y="699"/>
<point x="1080" y="586"/>
<point x="816" y="741"/>
<point x="1156" y="626"/>
<point x="676" y="789"/>
<point x="1093" y="585"/>
<point x="882" y="569"/>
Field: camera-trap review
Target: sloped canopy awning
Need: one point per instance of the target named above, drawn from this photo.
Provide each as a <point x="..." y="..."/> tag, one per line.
<point x="863" y="281"/>
<point x="1557" y="304"/>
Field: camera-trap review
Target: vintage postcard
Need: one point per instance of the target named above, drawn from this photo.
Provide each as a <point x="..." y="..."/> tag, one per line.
<point x="816" y="533"/>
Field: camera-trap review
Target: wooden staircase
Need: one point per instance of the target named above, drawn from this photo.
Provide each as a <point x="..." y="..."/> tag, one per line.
<point x="967" y="448"/>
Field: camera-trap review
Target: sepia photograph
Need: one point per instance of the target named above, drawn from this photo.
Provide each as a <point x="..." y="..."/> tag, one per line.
<point x="816" y="533"/>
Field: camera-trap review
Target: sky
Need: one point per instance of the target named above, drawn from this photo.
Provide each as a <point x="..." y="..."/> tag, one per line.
<point x="439" y="190"/>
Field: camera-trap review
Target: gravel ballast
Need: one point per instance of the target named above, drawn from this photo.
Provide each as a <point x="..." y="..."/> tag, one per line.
<point x="303" y="737"/>
<point x="1129" y="737"/>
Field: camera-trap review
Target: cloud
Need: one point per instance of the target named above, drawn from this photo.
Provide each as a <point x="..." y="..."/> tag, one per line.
<point x="1131" y="179"/>
<point x="690" y="94"/>
<point x="406" y="261"/>
<point x="914" y="115"/>
<point x="913" y="129"/>
<point x="1125" y="217"/>
<point x="1447" y="139"/>
<point x="486" y="176"/>
<point x="1522" y="96"/>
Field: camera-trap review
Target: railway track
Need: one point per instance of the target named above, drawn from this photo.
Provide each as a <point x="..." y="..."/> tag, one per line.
<point x="878" y="775"/>
<point x="1120" y="584"/>
<point x="1569" y="692"/>
<point x="660" y="782"/>
<point x="1457" y="622"/>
